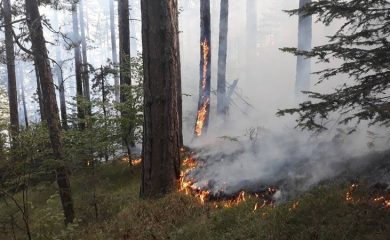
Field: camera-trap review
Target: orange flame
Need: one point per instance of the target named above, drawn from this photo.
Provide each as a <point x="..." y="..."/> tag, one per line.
<point x="205" y="50"/>
<point x="188" y="187"/>
<point x="136" y="162"/>
<point x="202" y="113"/>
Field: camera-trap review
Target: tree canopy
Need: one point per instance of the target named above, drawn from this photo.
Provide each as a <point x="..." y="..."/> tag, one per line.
<point x="362" y="45"/>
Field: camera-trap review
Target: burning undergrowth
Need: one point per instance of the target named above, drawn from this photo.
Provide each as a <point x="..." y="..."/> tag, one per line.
<point x="228" y="170"/>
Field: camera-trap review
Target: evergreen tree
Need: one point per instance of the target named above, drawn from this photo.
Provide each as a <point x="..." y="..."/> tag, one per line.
<point x="362" y="45"/>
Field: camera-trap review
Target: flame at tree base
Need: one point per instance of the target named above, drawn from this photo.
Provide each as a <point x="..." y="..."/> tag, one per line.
<point x="189" y="186"/>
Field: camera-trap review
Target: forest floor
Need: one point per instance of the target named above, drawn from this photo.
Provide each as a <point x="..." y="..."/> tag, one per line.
<point x="112" y="191"/>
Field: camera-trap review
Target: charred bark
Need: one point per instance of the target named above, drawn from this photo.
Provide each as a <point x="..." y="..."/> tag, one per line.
<point x="38" y="45"/>
<point x="78" y="65"/>
<point x="10" y="57"/>
<point x="114" y="51"/>
<point x="161" y="143"/>
<point x="202" y="119"/>
<point x="302" y="82"/>
<point x="222" y="105"/>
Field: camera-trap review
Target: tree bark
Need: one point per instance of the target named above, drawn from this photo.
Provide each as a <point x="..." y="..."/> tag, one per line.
<point x="85" y="68"/>
<point x="222" y="105"/>
<point x="77" y="66"/>
<point x="161" y="147"/>
<point x="124" y="43"/>
<point x="10" y="57"/>
<point x="114" y="51"/>
<point x="38" y="45"/>
<point x="125" y="67"/>
<point x="202" y="119"/>
<point x="39" y="93"/>
<point x="302" y="82"/>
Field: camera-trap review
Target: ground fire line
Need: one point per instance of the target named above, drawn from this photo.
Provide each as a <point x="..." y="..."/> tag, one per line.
<point x="220" y="199"/>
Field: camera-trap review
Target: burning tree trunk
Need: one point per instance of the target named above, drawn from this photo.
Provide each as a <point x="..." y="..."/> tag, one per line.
<point x="302" y="82"/>
<point x="85" y="67"/>
<point x="10" y="57"/>
<point x="39" y="50"/>
<point x="77" y="65"/>
<point x="124" y="60"/>
<point x="113" y="47"/>
<point x="222" y="105"/>
<point x="161" y="143"/>
<point x="202" y="118"/>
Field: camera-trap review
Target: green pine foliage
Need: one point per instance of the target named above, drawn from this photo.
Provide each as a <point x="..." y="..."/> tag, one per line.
<point x="362" y="45"/>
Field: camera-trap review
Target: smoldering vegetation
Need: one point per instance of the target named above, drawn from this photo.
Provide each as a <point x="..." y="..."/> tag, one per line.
<point x="253" y="149"/>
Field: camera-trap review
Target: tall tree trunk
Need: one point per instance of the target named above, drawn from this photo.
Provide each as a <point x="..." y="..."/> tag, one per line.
<point x="114" y="51"/>
<point x="61" y="90"/>
<point x="38" y="45"/>
<point x="202" y="119"/>
<point x="77" y="66"/>
<point x="85" y="69"/>
<point x="10" y="57"/>
<point x="60" y="81"/>
<point x="302" y="82"/>
<point x="125" y="67"/>
<point x="22" y="94"/>
<point x="39" y="93"/>
<point x="222" y="105"/>
<point x="251" y="40"/>
<point x="161" y="148"/>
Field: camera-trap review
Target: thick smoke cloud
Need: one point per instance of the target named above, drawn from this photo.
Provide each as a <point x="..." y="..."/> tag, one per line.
<point x="281" y="155"/>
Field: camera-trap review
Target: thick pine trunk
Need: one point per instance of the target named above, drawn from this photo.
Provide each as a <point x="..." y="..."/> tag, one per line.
<point x="85" y="68"/>
<point x="302" y="82"/>
<point x="10" y="57"/>
<point x="202" y="119"/>
<point x="114" y="50"/>
<point x="222" y="105"/>
<point x="38" y="45"/>
<point x="124" y="43"/>
<point x="161" y="143"/>
<point x="125" y="68"/>
<point x="77" y="66"/>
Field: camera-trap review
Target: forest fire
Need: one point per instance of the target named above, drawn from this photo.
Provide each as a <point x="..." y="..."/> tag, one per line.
<point x="136" y="162"/>
<point x="220" y="199"/>
<point x="204" y="96"/>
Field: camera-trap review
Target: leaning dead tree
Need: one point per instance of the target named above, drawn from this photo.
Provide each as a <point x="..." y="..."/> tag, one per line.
<point x="202" y="118"/>
<point x="161" y="56"/>
<point x="41" y="58"/>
